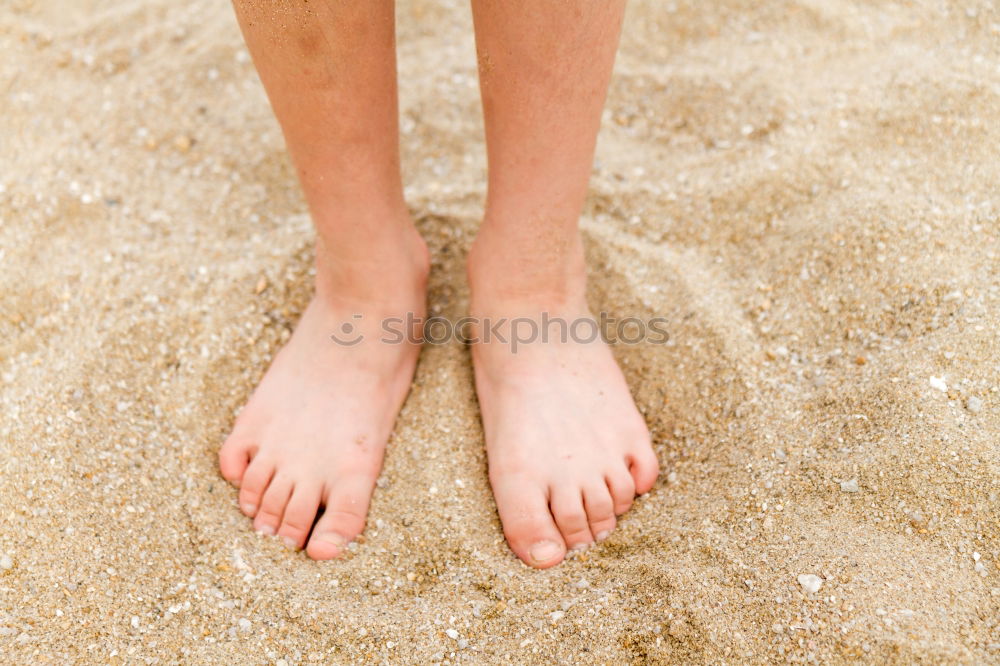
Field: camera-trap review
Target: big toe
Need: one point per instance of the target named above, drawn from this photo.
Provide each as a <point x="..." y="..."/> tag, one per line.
<point x="343" y="518"/>
<point x="234" y="456"/>
<point x="527" y="523"/>
<point x="644" y="468"/>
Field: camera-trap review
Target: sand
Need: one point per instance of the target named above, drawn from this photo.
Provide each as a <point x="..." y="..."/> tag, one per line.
<point x="808" y="191"/>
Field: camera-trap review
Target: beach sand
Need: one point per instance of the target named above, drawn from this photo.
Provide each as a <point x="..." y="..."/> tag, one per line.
<point x="808" y="191"/>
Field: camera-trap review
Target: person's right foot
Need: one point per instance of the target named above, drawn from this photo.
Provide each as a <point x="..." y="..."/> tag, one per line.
<point x="313" y="434"/>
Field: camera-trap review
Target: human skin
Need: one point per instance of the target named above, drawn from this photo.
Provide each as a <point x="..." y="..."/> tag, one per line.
<point x="567" y="448"/>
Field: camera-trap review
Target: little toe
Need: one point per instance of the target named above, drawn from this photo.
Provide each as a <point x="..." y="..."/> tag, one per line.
<point x="567" y="508"/>
<point x="300" y="513"/>
<point x="234" y="456"/>
<point x="600" y="510"/>
<point x="527" y="522"/>
<point x="622" y="488"/>
<point x="272" y="505"/>
<point x="343" y="518"/>
<point x="644" y="468"/>
<point x="255" y="481"/>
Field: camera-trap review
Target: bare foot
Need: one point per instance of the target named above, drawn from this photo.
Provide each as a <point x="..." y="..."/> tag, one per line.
<point x="568" y="450"/>
<point x="314" y="432"/>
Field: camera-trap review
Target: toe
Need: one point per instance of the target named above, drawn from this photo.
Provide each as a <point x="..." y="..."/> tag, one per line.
<point x="272" y="505"/>
<point x="600" y="510"/>
<point x="622" y="488"/>
<point x="343" y="517"/>
<point x="571" y="518"/>
<point x="300" y="514"/>
<point x="527" y="522"/>
<point x="644" y="468"/>
<point x="234" y="456"/>
<point x="255" y="481"/>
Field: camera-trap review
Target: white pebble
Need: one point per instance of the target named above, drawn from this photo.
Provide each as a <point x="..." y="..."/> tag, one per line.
<point x="452" y="634"/>
<point x="6" y="562"/>
<point x="810" y="583"/>
<point x="939" y="384"/>
<point x="135" y="621"/>
<point x="556" y="616"/>
<point x="974" y="404"/>
<point x="244" y="624"/>
<point x="672" y="478"/>
<point x="850" y="486"/>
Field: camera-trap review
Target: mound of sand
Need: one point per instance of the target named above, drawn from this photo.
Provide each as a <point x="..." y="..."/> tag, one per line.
<point x="808" y="191"/>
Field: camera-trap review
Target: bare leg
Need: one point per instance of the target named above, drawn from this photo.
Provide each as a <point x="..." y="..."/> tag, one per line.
<point x="314" y="432"/>
<point x="567" y="448"/>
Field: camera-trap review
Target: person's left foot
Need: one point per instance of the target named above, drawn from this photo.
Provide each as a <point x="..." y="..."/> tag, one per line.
<point x="568" y="450"/>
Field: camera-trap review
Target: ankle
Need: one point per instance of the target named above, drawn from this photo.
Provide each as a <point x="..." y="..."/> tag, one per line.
<point x="389" y="270"/>
<point x="506" y="274"/>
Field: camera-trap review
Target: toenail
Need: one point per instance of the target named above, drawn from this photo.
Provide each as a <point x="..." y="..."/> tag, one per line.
<point x="543" y="551"/>
<point x="250" y="508"/>
<point x="579" y="547"/>
<point x="603" y="534"/>
<point x="332" y="537"/>
<point x="290" y="542"/>
<point x="266" y="530"/>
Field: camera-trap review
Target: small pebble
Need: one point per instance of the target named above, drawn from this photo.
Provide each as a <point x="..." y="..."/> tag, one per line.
<point x="244" y="624"/>
<point x="939" y="384"/>
<point x="452" y="634"/>
<point x="974" y="404"/>
<point x="6" y="562"/>
<point x="557" y="615"/>
<point x="850" y="486"/>
<point x="810" y="583"/>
